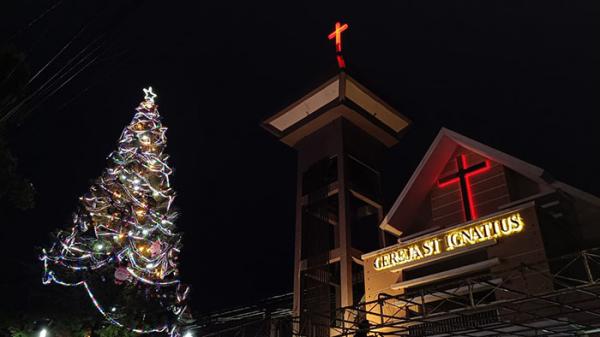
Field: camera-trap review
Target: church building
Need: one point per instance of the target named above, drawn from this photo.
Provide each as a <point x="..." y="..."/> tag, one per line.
<point x="478" y="241"/>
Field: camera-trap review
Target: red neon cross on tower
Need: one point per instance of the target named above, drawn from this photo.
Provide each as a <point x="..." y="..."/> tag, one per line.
<point x="462" y="176"/>
<point x="337" y="35"/>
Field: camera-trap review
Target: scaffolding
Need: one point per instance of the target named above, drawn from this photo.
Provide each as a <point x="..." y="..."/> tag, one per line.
<point x="556" y="297"/>
<point x="270" y="317"/>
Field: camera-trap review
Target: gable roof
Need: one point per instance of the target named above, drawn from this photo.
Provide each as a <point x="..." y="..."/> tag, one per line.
<point x="436" y="157"/>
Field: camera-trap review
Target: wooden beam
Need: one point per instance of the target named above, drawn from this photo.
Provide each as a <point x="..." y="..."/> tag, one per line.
<point x="459" y="291"/>
<point x="447" y="274"/>
<point x="365" y="199"/>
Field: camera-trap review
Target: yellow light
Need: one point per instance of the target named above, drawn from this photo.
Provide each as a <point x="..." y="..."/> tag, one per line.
<point x="147" y="104"/>
<point x="145" y="140"/>
<point x="468" y="235"/>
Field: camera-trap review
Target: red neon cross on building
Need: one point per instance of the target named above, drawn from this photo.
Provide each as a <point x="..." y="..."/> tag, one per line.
<point x="337" y="35"/>
<point x="462" y="177"/>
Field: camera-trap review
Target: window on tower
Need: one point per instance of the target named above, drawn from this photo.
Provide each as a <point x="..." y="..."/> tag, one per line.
<point x="319" y="227"/>
<point x="319" y="175"/>
<point x="364" y="225"/>
<point x="363" y="178"/>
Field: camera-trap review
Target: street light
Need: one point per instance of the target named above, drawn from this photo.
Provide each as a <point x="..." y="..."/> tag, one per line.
<point x="43" y="332"/>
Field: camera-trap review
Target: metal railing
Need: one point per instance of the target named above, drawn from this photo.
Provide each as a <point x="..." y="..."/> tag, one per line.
<point x="556" y="297"/>
<point x="553" y="297"/>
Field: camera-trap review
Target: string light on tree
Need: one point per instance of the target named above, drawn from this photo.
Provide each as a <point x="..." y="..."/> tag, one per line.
<point x="123" y="240"/>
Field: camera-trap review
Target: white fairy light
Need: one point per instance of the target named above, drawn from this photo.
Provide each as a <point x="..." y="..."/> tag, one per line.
<point x="145" y="139"/>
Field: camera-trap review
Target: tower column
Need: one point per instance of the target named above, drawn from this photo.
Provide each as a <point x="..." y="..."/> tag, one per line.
<point x="344" y="230"/>
<point x="297" y="244"/>
<point x="340" y="131"/>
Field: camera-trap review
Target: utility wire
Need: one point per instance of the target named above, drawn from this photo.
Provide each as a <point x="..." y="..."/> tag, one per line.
<point x="96" y="61"/>
<point x="34" y="21"/>
<point x="22" y="59"/>
<point x="61" y="73"/>
<point x="67" y="45"/>
<point x="88" y="87"/>
<point x="73" y="67"/>
<point x="27" y="27"/>
<point x="64" y="83"/>
<point x="7" y="114"/>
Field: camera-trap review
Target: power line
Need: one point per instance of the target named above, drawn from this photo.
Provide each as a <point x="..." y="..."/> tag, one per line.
<point x="54" y="79"/>
<point x="73" y="67"/>
<point x="35" y="20"/>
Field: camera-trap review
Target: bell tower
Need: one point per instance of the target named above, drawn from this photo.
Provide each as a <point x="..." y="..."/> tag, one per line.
<point x="340" y="131"/>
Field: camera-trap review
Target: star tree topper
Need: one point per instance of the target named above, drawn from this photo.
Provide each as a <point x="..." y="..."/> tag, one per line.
<point x="149" y="94"/>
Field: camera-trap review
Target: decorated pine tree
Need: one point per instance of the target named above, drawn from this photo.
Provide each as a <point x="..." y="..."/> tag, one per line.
<point x="123" y="246"/>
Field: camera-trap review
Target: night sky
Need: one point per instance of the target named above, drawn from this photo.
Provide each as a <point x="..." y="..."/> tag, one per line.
<point x="520" y="76"/>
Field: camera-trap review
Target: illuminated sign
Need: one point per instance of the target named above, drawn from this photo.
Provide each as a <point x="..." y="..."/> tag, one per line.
<point x="468" y="235"/>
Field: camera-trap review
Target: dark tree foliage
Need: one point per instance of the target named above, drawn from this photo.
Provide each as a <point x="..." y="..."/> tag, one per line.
<point x="15" y="190"/>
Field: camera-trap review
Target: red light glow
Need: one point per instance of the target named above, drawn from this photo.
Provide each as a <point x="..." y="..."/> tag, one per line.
<point x="462" y="176"/>
<point x="337" y="35"/>
<point x="341" y="62"/>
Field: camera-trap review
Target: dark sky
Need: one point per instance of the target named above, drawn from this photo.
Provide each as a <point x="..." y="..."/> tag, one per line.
<point x="521" y="76"/>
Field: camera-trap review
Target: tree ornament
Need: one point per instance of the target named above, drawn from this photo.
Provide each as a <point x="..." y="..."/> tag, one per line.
<point x="122" y="275"/>
<point x="155" y="248"/>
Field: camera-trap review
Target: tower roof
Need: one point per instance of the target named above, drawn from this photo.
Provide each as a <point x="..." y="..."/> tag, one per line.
<point x="341" y="96"/>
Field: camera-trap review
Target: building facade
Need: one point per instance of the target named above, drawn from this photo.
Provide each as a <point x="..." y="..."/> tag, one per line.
<point x="444" y="256"/>
<point x="472" y="212"/>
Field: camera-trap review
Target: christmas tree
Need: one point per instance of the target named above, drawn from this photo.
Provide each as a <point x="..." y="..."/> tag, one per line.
<point x="123" y="245"/>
